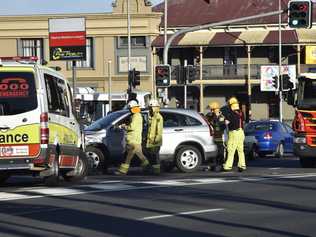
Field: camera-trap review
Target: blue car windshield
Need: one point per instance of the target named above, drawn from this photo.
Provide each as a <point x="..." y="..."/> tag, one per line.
<point x="105" y="121"/>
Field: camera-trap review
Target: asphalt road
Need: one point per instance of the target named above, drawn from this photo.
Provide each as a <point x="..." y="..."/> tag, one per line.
<point x="272" y="198"/>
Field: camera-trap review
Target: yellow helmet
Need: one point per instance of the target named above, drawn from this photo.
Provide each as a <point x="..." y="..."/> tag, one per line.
<point x="214" y="105"/>
<point x="233" y="103"/>
<point x="233" y="100"/>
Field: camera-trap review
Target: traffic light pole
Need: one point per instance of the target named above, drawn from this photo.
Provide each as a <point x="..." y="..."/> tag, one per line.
<point x="280" y="68"/>
<point x="185" y="85"/>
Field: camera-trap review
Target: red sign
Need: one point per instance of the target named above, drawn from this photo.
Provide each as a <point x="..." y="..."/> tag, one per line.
<point x="67" y="39"/>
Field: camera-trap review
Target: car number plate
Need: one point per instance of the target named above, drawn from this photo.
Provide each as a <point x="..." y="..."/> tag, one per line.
<point x="7" y="151"/>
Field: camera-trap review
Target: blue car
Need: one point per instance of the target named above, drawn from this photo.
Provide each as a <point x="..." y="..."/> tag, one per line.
<point x="273" y="137"/>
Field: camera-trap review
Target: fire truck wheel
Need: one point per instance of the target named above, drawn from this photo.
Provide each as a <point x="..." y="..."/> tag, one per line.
<point x="4" y="176"/>
<point x="308" y="162"/>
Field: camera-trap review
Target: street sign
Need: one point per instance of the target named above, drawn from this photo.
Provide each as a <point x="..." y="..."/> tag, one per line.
<point x="67" y="39"/>
<point x="269" y="75"/>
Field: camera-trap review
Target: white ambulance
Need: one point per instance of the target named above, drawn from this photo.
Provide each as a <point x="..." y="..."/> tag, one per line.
<point x="38" y="130"/>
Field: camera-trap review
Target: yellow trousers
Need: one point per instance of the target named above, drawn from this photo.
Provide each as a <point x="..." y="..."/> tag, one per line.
<point x="235" y="142"/>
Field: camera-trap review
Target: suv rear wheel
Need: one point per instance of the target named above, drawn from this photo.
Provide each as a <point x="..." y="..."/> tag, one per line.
<point x="188" y="159"/>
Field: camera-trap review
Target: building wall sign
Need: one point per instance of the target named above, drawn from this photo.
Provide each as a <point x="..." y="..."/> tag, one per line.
<point x="310" y="55"/>
<point x="267" y="83"/>
<point x="67" y="39"/>
<point x="139" y="63"/>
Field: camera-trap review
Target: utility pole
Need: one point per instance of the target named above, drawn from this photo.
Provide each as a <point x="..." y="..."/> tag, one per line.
<point x="110" y="85"/>
<point x="165" y="39"/>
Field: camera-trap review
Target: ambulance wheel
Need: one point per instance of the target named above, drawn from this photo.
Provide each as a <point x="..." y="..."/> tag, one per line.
<point x="81" y="170"/>
<point x="188" y="159"/>
<point x="53" y="180"/>
<point x="4" y="176"/>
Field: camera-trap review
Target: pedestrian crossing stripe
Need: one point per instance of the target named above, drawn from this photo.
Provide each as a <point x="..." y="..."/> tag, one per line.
<point x="120" y="185"/>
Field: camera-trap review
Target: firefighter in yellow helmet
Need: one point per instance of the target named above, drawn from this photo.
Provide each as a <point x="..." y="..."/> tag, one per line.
<point x="154" y="135"/>
<point x="236" y="136"/>
<point x="133" y="139"/>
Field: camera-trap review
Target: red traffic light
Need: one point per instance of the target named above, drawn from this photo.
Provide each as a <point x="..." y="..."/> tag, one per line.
<point x="303" y="7"/>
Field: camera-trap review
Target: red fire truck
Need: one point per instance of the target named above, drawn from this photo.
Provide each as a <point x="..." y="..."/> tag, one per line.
<point x="303" y="98"/>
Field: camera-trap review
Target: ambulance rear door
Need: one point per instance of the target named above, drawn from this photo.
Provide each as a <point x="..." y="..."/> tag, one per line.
<point x="19" y="114"/>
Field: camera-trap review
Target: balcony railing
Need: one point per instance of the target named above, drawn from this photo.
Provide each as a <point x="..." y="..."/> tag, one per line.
<point x="240" y="71"/>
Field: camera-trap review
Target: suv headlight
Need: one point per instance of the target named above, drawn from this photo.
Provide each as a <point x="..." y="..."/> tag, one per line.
<point x="299" y="140"/>
<point x="96" y="137"/>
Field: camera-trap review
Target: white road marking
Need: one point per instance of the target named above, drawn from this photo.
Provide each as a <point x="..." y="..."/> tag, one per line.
<point x="112" y="186"/>
<point x="181" y="214"/>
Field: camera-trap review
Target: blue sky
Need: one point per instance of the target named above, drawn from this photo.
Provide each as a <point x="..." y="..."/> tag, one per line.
<point x="28" y="7"/>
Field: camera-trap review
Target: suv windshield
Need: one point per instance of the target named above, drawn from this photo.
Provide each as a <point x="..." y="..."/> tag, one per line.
<point x="17" y="93"/>
<point x="106" y="121"/>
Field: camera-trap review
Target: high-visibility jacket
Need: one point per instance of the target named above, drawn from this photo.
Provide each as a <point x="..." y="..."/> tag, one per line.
<point x="134" y="129"/>
<point x="155" y="128"/>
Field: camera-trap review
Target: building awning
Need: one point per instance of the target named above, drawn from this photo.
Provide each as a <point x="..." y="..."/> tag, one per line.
<point x="248" y="37"/>
<point x="251" y="37"/>
<point x="197" y="38"/>
<point x="288" y="37"/>
<point x="306" y="36"/>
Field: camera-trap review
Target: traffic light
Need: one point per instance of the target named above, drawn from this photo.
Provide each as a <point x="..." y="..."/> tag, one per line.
<point x="163" y="75"/>
<point x="275" y="82"/>
<point x="300" y="14"/>
<point x="133" y="78"/>
<point x="190" y="73"/>
<point x="286" y="82"/>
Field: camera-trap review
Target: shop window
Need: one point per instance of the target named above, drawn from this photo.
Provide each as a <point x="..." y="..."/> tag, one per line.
<point x="136" y="42"/>
<point x="32" y="47"/>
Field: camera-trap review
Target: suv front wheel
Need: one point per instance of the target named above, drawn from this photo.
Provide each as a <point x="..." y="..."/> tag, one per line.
<point x="188" y="159"/>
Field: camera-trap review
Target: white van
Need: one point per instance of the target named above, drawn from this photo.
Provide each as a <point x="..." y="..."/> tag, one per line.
<point x="38" y="130"/>
<point x="95" y="105"/>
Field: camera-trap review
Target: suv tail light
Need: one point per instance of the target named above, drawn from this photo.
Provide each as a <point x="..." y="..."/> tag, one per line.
<point x="267" y="135"/>
<point x="211" y="129"/>
<point x="44" y="128"/>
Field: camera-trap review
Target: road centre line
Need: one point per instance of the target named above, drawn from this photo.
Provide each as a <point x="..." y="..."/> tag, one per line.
<point x="181" y="214"/>
<point x="100" y="187"/>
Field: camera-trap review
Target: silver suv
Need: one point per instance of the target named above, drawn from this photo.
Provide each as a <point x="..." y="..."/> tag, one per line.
<point x="187" y="139"/>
